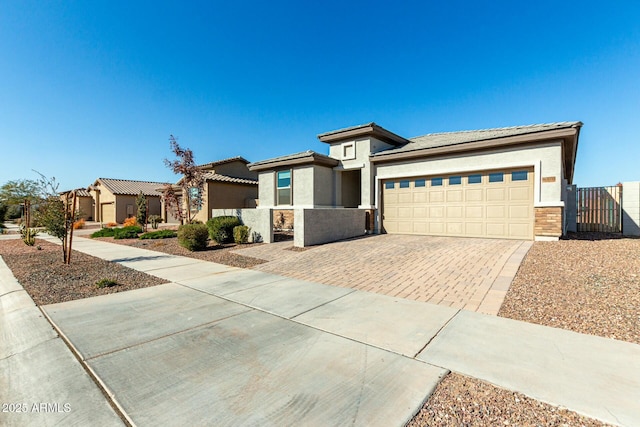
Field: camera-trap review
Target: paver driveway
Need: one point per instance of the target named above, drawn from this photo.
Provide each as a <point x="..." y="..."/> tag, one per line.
<point x="473" y="274"/>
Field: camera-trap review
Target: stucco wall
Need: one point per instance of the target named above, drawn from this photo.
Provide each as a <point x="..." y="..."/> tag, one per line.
<point x="317" y="226"/>
<point x="323" y="186"/>
<point x="631" y="208"/>
<point x="259" y="220"/>
<point x="267" y="189"/>
<point x="235" y="169"/>
<point x="302" y="184"/>
<point x="221" y="195"/>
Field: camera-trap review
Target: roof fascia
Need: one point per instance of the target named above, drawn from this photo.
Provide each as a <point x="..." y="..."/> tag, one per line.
<point x="371" y="129"/>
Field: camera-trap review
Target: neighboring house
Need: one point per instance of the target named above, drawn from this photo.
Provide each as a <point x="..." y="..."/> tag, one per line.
<point x="84" y="202"/>
<point x="115" y="199"/>
<point x="498" y="183"/>
<point x="229" y="185"/>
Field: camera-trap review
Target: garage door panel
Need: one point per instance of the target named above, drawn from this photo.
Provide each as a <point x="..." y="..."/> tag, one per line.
<point x="419" y="212"/>
<point x="519" y="212"/>
<point x="436" y="196"/>
<point x="496" y="212"/>
<point x="520" y="194"/>
<point x="474" y="195"/>
<point x="420" y="197"/>
<point x="436" y="212"/>
<point x="454" y="212"/>
<point x="496" y="195"/>
<point x="455" y="228"/>
<point x="454" y="195"/>
<point x="480" y="208"/>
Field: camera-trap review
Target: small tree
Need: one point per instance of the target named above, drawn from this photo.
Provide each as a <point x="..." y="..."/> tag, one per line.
<point x="184" y="199"/>
<point x="141" y="213"/>
<point x="57" y="216"/>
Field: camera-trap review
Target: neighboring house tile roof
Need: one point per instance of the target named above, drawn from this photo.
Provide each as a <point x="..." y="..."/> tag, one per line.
<point x="80" y="192"/>
<point x="445" y="139"/>
<point x="130" y="188"/>
<point x="224" y="178"/>
<point x="303" y="157"/>
<point x="223" y="161"/>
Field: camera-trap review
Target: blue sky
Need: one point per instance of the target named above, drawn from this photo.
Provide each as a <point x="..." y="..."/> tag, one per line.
<point x="94" y="89"/>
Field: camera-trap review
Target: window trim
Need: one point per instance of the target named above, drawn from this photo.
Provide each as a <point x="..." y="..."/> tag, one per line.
<point x="289" y="187"/>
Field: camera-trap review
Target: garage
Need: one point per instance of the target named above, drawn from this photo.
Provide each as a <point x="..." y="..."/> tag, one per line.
<point x="493" y="204"/>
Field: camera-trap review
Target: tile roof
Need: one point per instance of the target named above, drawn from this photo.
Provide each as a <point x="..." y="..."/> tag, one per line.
<point x="130" y="188"/>
<point x="224" y="178"/>
<point x="444" y="139"/>
<point x="223" y="161"/>
<point x="81" y="192"/>
<point x="295" y="156"/>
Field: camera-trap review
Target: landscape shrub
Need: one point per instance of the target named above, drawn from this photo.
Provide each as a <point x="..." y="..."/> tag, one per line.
<point x="221" y="228"/>
<point x="78" y="224"/>
<point x="130" y="222"/>
<point x="241" y="234"/>
<point x="106" y="283"/>
<point x="154" y="220"/>
<point x="160" y="234"/>
<point x="111" y="224"/>
<point x="130" y="232"/>
<point x="193" y="236"/>
<point x="28" y="235"/>
<point x="104" y="232"/>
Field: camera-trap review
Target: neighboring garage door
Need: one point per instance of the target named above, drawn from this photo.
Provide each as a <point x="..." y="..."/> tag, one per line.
<point x="497" y="204"/>
<point x="108" y="212"/>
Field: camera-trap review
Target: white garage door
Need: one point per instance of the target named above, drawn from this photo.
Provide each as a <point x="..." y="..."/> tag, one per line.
<point x="497" y="203"/>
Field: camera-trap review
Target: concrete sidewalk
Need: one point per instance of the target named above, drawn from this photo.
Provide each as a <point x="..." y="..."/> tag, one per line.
<point x="229" y="346"/>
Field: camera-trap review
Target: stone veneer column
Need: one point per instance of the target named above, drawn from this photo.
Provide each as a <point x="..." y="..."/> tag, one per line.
<point x="548" y="222"/>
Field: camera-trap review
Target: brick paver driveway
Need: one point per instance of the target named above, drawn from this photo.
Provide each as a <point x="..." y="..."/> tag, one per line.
<point x="473" y="274"/>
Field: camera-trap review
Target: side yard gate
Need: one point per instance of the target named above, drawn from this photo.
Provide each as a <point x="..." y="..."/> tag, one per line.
<point x="600" y="209"/>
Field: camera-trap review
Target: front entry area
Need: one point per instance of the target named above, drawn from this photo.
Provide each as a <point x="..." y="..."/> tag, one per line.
<point x="494" y="204"/>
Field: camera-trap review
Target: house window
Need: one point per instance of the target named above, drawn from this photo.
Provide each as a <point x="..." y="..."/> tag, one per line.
<point x="496" y="177"/>
<point x="195" y="196"/>
<point x="474" y="179"/>
<point x="349" y="151"/>
<point x="284" y="187"/>
<point x="519" y="176"/>
<point x="389" y="185"/>
<point x="404" y="183"/>
<point x="436" y="182"/>
<point x="420" y="183"/>
<point x="455" y="180"/>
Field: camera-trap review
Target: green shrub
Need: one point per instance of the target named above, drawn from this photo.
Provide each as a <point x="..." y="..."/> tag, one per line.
<point x="130" y="232"/>
<point x="106" y="283"/>
<point x="241" y="234"/>
<point x="104" y="232"/>
<point x="160" y="234"/>
<point x="28" y="235"/>
<point x="221" y="228"/>
<point x="154" y="220"/>
<point x="193" y="236"/>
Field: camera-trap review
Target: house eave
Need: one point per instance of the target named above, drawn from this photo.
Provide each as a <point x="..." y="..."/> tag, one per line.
<point x="370" y="129"/>
<point x="300" y="161"/>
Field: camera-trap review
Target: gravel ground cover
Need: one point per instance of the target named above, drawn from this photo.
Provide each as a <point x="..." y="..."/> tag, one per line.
<point x="588" y="283"/>
<point x="463" y="401"/>
<point x="48" y="280"/>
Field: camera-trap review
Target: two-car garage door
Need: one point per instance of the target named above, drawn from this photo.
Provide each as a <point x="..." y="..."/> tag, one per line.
<point x="497" y="203"/>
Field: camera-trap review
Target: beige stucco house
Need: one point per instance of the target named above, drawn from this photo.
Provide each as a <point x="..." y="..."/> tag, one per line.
<point x="229" y="184"/>
<point x="114" y="200"/>
<point x="511" y="182"/>
<point x="84" y="202"/>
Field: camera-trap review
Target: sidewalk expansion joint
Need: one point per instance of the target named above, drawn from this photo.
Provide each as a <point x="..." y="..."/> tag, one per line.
<point x="437" y="333"/>
<point x="15" y="290"/>
<point x="323" y="304"/>
<point x="29" y="348"/>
